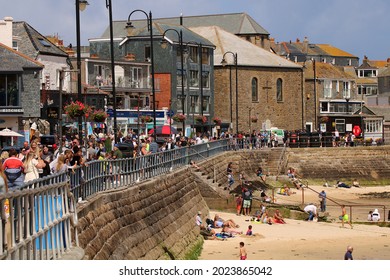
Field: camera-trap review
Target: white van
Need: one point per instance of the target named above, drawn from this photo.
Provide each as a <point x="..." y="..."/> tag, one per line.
<point x="279" y="135"/>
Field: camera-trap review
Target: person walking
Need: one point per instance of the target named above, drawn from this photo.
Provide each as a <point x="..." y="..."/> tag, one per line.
<point x="348" y="254"/>
<point x="345" y="217"/>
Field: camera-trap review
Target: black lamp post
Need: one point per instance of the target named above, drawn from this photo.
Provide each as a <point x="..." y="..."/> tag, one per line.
<point x="163" y="42"/>
<point x="150" y="29"/>
<point x="109" y="6"/>
<point x="224" y="63"/>
<point x="80" y="6"/>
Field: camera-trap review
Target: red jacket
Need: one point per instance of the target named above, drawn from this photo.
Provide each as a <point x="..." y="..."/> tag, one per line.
<point x="13" y="162"/>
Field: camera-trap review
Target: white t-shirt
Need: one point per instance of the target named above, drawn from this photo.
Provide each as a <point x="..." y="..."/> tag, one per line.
<point x="310" y="208"/>
<point x="198" y="220"/>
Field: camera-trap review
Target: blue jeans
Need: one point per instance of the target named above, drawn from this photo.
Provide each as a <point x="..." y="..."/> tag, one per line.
<point x="311" y="216"/>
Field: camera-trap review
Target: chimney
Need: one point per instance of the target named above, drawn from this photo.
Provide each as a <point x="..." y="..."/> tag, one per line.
<point x="305" y="45"/>
<point x="6" y="31"/>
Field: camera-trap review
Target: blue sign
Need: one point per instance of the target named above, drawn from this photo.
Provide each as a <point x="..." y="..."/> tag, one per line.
<point x="134" y="114"/>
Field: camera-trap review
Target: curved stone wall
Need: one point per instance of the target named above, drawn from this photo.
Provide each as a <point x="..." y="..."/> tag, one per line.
<point x="153" y="220"/>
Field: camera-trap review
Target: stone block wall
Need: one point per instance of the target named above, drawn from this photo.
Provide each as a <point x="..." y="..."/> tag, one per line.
<point x="154" y="220"/>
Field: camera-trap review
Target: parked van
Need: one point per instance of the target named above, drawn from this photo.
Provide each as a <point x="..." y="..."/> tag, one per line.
<point x="278" y="132"/>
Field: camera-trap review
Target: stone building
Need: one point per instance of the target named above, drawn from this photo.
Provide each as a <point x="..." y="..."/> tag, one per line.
<point x="270" y="88"/>
<point x="19" y="90"/>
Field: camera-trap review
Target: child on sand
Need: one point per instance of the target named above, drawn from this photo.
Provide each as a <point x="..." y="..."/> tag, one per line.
<point x="243" y="253"/>
<point x="249" y="231"/>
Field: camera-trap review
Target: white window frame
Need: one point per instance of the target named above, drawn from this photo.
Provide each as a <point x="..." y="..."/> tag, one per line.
<point x="327" y="89"/>
<point x="346" y="89"/>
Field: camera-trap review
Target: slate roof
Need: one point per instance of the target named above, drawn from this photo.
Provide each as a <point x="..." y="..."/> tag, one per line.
<point x="13" y="61"/>
<point x="236" y="23"/>
<point x="248" y="54"/>
<point x="32" y="43"/>
<point x="298" y="48"/>
<point x="380" y="111"/>
<point x="159" y="29"/>
<point x="333" y="51"/>
<point x="327" y="71"/>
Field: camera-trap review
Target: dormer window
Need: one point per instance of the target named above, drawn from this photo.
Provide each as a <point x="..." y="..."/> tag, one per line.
<point x="44" y="43"/>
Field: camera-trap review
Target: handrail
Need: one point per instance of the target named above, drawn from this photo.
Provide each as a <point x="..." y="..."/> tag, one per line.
<point x="281" y="158"/>
<point x="40" y="223"/>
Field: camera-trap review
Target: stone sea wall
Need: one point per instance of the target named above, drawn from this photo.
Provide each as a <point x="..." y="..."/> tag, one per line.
<point x="153" y="220"/>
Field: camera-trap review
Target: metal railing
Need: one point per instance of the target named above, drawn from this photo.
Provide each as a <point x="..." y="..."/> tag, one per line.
<point x="36" y="222"/>
<point x="39" y="220"/>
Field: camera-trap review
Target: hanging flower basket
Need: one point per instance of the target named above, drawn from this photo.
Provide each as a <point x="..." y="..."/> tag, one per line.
<point x="145" y="119"/>
<point x="200" y="119"/>
<point x="324" y="119"/>
<point x="77" y="109"/>
<point x="254" y="119"/>
<point x="217" y="121"/>
<point x="179" y="117"/>
<point x="98" y="116"/>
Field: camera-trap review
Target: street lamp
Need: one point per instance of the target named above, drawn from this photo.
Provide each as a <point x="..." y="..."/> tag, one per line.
<point x="224" y="63"/>
<point x="80" y="6"/>
<point x="109" y="7"/>
<point x="163" y="44"/>
<point x="347" y="109"/>
<point x="150" y="29"/>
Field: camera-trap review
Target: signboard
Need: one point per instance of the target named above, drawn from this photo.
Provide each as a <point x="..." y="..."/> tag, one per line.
<point x="52" y="112"/>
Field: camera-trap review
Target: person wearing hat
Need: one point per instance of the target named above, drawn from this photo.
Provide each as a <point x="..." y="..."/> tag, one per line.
<point x="376" y="216"/>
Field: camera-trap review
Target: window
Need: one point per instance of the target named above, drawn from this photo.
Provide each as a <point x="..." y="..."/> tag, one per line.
<point x="147" y="53"/>
<point x="206" y="103"/>
<point x="324" y="107"/>
<point x="255" y="93"/>
<point x="340" y="125"/>
<point x="373" y="126"/>
<point x="279" y="90"/>
<point x="346" y="90"/>
<point x="205" y="56"/>
<point x="194" y="79"/>
<point x="194" y="104"/>
<point x="181" y="79"/>
<point x="193" y="54"/>
<point x="327" y="89"/>
<point x="135" y="77"/>
<point x="9" y="90"/>
<point x="205" y="79"/>
<point x="15" y="45"/>
<point x="44" y="43"/>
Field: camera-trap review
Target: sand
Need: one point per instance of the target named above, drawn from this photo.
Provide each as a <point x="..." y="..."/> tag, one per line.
<point x="303" y="240"/>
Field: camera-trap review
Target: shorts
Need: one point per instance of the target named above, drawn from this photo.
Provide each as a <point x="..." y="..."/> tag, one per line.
<point x="238" y="207"/>
<point x="247" y="204"/>
<point x="346" y="218"/>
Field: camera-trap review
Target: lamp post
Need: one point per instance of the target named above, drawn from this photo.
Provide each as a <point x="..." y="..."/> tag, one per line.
<point x="224" y="63"/>
<point x="163" y="41"/>
<point x="80" y="6"/>
<point x="150" y="29"/>
<point x="109" y="7"/>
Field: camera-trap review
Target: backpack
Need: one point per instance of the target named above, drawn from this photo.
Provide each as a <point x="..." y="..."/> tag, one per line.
<point x="209" y="222"/>
<point x="12" y="176"/>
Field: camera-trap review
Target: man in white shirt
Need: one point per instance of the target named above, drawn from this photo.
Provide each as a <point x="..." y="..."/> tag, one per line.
<point x="311" y="209"/>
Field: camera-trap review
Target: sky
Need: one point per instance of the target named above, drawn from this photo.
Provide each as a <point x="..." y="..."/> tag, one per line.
<point x="359" y="27"/>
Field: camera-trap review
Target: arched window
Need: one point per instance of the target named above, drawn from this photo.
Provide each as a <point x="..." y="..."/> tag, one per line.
<point x="255" y="88"/>
<point x="279" y="90"/>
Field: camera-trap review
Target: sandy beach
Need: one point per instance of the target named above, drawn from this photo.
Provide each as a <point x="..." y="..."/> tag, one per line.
<point x="302" y="240"/>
